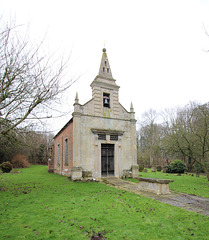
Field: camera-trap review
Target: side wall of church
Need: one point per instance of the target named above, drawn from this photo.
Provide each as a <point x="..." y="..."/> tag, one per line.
<point x="63" y="151"/>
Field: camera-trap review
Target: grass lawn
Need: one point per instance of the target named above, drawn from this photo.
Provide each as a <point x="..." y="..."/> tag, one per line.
<point x="198" y="186"/>
<point x="35" y="204"/>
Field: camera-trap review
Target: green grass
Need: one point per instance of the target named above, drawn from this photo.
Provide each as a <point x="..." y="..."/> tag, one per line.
<point x="198" y="186"/>
<point x="37" y="205"/>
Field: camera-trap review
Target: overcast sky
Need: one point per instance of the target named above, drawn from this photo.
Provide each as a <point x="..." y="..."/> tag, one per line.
<point x="156" y="48"/>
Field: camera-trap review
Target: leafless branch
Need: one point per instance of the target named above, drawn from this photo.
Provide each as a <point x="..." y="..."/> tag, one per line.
<point x="27" y="82"/>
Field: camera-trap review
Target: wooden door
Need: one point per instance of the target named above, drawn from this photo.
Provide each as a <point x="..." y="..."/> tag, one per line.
<point x="107" y="157"/>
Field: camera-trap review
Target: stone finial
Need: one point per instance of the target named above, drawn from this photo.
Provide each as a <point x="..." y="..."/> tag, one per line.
<point x="76" y="98"/>
<point x="131" y="108"/>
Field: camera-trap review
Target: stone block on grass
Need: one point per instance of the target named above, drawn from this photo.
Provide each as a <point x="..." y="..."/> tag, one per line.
<point x="76" y="173"/>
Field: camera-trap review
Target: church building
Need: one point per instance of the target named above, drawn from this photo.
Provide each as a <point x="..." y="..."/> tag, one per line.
<point x="100" y="138"/>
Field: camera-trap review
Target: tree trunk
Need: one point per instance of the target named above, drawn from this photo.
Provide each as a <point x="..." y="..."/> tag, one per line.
<point x="150" y="159"/>
<point x="207" y="174"/>
<point x="202" y="163"/>
<point x="206" y="170"/>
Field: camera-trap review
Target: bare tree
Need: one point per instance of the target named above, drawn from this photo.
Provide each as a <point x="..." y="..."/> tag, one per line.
<point x="189" y="134"/>
<point x="28" y="82"/>
<point x="149" y="134"/>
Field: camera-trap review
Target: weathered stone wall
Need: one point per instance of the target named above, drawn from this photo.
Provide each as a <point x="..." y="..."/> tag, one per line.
<point x="90" y="146"/>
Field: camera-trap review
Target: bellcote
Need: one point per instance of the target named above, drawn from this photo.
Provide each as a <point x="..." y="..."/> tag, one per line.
<point x="104" y="76"/>
<point x="105" y="90"/>
<point x="105" y="97"/>
<point x="104" y="70"/>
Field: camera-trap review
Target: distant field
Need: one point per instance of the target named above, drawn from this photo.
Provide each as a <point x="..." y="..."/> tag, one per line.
<point x="37" y="205"/>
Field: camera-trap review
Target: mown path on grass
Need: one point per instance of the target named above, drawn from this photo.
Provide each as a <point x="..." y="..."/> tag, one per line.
<point x="182" y="200"/>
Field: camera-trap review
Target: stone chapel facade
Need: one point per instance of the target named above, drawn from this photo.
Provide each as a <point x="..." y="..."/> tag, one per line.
<point x="100" y="138"/>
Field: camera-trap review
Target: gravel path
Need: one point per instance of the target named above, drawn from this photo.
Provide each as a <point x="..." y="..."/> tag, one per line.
<point x="189" y="202"/>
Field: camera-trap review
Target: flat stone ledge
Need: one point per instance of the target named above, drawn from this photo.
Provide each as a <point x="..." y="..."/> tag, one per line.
<point x="158" y="186"/>
<point x="155" y="180"/>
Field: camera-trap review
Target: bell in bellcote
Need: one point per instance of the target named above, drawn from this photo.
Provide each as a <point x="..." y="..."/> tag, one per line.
<point x="106" y="101"/>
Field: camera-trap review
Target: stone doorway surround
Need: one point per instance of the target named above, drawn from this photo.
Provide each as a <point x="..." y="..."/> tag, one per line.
<point x="99" y="142"/>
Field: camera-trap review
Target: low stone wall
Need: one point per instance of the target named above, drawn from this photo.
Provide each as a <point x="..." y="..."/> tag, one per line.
<point x="158" y="186"/>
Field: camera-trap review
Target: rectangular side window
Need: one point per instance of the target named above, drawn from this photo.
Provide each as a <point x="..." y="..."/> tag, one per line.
<point x="58" y="154"/>
<point x="66" y="151"/>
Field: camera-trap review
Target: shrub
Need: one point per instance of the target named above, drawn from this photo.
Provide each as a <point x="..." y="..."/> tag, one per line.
<point x="177" y="166"/>
<point x="20" y="161"/>
<point x="141" y="168"/>
<point x="198" y="168"/>
<point x="6" y="167"/>
<point x="159" y="168"/>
